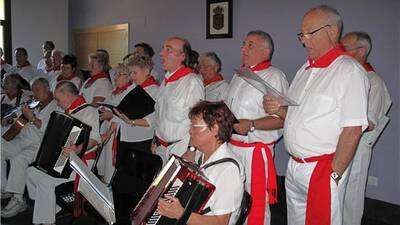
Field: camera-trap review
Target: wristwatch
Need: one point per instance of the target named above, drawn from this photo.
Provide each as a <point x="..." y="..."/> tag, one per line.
<point x="252" y="127"/>
<point x="191" y="148"/>
<point x="335" y="176"/>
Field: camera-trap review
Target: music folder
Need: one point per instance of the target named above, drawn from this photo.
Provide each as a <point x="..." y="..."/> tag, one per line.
<point x="96" y="192"/>
<point x="258" y="83"/>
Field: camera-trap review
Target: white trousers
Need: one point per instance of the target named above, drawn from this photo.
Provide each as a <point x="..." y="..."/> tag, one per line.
<point x="20" y="152"/>
<point x="355" y="190"/>
<point x="297" y="183"/>
<point x="245" y="154"/>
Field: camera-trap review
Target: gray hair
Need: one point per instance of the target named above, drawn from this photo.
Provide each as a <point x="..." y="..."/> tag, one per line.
<point x="43" y="81"/>
<point x="67" y="87"/>
<point x="363" y="40"/>
<point x="214" y="57"/>
<point x="102" y="59"/>
<point x="58" y="52"/>
<point x="269" y="43"/>
<point x="332" y="14"/>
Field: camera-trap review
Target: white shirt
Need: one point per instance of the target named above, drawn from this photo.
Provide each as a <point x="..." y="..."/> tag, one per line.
<point x="53" y="74"/>
<point x="31" y="131"/>
<point x="246" y="102"/>
<point x="26" y="95"/>
<point x="100" y="88"/>
<point x="90" y="116"/>
<point x="329" y="99"/>
<point x="133" y="133"/>
<point x="173" y="103"/>
<point x="228" y="182"/>
<point x="28" y="72"/>
<point x="216" y="91"/>
<point x="75" y="80"/>
<point x="42" y="65"/>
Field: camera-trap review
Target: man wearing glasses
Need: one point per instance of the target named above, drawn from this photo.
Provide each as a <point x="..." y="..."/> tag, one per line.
<point x="322" y="133"/>
<point x="358" y="44"/>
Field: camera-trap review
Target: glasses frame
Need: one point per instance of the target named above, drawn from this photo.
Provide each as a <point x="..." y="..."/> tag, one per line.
<point x="301" y="36"/>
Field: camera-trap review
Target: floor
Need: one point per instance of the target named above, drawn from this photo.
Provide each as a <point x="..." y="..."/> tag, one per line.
<point x="374" y="214"/>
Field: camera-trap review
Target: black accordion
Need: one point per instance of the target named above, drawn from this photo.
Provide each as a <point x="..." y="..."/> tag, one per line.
<point x="179" y="179"/>
<point x="62" y="130"/>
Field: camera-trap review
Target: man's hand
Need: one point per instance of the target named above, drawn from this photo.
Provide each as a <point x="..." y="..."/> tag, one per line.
<point x="122" y="116"/>
<point x="105" y="114"/>
<point x="72" y="148"/>
<point x="270" y="105"/>
<point x="28" y="113"/>
<point x="170" y="207"/>
<point x="243" y="127"/>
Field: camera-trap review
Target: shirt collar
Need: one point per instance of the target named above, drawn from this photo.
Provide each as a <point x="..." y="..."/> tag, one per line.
<point x="76" y="103"/>
<point x="325" y="60"/>
<point x="261" y="66"/>
<point x="178" y="74"/>
<point x="215" y="78"/>
<point x="149" y="81"/>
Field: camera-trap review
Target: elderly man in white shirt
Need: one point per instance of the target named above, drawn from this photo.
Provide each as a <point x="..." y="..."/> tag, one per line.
<point x="21" y="150"/>
<point x="257" y="131"/>
<point x="179" y="91"/>
<point x="322" y="133"/>
<point x="210" y="130"/>
<point x="45" y="63"/>
<point x="358" y="44"/>
<point x="41" y="186"/>
<point x="214" y="84"/>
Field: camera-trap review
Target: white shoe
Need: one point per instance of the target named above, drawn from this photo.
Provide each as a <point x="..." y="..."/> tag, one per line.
<point x="13" y="207"/>
<point x="5" y="195"/>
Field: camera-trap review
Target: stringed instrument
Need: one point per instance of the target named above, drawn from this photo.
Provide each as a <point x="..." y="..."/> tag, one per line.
<point x="19" y="123"/>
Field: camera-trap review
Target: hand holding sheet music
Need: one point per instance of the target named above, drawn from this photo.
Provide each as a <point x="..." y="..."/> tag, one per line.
<point x="261" y="85"/>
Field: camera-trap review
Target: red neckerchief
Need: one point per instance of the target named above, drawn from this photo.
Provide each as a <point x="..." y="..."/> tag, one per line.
<point x="261" y="66"/>
<point x="119" y="90"/>
<point x="368" y="67"/>
<point x="325" y="60"/>
<point x="215" y="78"/>
<point x="149" y="81"/>
<point x="76" y="103"/>
<point x="95" y="77"/>
<point x="61" y="77"/>
<point x="181" y="72"/>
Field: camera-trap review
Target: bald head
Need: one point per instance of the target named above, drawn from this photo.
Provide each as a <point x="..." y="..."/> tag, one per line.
<point x="320" y="30"/>
<point x="175" y="53"/>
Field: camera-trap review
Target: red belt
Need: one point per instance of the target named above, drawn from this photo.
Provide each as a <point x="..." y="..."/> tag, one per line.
<point x="318" y="210"/>
<point x="258" y="180"/>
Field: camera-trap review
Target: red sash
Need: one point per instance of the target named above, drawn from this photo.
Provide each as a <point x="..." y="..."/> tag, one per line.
<point x="183" y="71"/>
<point x="95" y="77"/>
<point x="261" y="183"/>
<point x="76" y="103"/>
<point x="318" y="209"/>
<point x="149" y="81"/>
<point x="215" y="78"/>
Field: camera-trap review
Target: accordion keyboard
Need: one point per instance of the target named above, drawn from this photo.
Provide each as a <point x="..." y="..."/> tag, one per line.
<point x="171" y="192"/>
<point x="69" y="198"/>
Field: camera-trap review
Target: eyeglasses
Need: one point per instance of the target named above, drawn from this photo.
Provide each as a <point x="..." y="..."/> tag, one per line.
<point x="302" y="36"/>
<point x="203" y="126"/>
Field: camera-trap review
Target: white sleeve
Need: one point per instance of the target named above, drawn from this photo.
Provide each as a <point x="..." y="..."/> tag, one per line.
<point x="353" y="100"/>
<point x="102" y="89"/>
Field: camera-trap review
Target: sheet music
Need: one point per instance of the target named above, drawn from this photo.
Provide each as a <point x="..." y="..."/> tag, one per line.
<point x="63" y="159"/>
<point x="95" y="191"/>
<point x="250" y="77"/>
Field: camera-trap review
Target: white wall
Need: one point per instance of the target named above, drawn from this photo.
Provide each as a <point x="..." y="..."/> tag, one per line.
<point x="33" y="22"/>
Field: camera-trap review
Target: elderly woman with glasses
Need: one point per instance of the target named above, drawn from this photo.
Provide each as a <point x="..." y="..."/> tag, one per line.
<point x="210" y="130"/>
